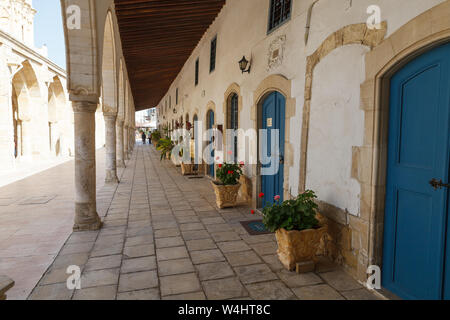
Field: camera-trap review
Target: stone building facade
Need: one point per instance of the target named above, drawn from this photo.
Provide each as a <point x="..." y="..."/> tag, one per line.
<point x="36" y="116"/>
<point x="329" y="65"/>
<point x="327" y="62"/>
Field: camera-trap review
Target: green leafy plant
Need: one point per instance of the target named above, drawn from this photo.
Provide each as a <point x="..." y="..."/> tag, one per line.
<point x="156" y="135"/>
<point x="298" y="214"/>
<point x="166" y="146"/>
<point x="229" y="174"/>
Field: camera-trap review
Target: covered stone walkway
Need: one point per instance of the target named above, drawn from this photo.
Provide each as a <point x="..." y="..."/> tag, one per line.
<point x="164" y="238"/>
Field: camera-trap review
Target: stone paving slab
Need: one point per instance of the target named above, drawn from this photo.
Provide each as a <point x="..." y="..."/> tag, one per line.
<point x="36" y="220"/>
<point x="164" y="238"/>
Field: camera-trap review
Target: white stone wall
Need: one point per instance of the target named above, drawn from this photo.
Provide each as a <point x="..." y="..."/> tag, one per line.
<point x="38" y="77"/>
<point x="336" y="120"/>
<point x="337" y="124"/>
<point x="16" y="19"/>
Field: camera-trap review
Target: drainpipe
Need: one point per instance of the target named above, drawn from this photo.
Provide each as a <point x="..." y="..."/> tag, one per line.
<point x="308" y="21"/>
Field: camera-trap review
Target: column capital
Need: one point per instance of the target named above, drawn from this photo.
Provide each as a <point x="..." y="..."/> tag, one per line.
<point x="120" y="122"/>
<point x="110" y="115"/>
<point x="84" y="106"/>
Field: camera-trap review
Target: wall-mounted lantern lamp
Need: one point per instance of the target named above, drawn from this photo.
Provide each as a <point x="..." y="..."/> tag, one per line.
<point x="243" y="65"/>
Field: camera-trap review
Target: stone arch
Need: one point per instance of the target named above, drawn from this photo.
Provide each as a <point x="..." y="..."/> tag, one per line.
<point x="233" y="89"/>
<point x="424" y="32"/>
<point x="26" y="96"/>
<point x="56" y="100"/>
<point x="270" y="84"/>
<point x="121" y="91"/>
<point x="351" y="34"/>
<point x="56" y="110"/>
<point x="210" y="106"/>
<point x="109" y="70"/>
<point x="427" y="30"/>
<point x="83" y="81"/>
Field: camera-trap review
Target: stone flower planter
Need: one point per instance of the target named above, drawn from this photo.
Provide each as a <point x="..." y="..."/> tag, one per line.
<point x="187" y="169"/>
<point x="298" y="246"/>
<point x="226" y="196"/>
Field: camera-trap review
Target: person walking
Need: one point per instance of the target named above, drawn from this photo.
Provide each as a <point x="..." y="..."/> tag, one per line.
<point x="149" y="138"/>
<point x="144" y="137"/>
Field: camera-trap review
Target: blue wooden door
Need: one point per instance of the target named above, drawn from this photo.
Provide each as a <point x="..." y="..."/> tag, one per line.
<point x="273" y="118"/>
<point x="416" y="216"/>
<point x="210" y="126"/>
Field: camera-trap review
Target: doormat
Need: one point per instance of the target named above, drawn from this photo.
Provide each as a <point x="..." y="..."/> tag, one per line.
<point x="255" y="228"/>
<point x="194" y="177"/>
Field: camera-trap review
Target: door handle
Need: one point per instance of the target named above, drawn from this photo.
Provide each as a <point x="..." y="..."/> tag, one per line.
<point x="438" y="184"/>
<point x="281" y="159"/>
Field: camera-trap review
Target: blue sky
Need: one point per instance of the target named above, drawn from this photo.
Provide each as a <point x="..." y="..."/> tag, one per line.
<point x="48" y="29"/>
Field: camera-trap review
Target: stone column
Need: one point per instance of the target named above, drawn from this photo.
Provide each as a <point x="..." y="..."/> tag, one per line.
<point x="86" y="217"/>
<point x="26" y="135"/>
<point x="110" y="136"/>
<point x="125" y="143"/>
<point x="131" y="135"/>
<point x="119" y="144"/>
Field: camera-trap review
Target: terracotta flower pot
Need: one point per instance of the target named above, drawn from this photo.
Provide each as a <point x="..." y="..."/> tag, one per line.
<point x="298" y="246"/>
<point x="187" y="169"/>
<point x="226" y="196"/>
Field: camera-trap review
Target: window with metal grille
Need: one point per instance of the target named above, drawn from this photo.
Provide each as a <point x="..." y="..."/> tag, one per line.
<point x="280" y="12"/>
<point x="233" y="122"/>
<point x="212" y="61"/>
<point x="197" y="65"/>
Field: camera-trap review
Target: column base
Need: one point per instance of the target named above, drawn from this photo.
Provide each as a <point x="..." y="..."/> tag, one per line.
<point x="88" y="227"/>
<point x="86" y="218"/>
<point x="111" y="177"/>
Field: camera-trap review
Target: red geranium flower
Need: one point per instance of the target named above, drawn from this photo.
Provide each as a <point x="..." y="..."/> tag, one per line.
<point x="253" y="211"/>
<point x="277" y="198"/>
<point x="220" y="166"/>
<point x="261" y="195"/>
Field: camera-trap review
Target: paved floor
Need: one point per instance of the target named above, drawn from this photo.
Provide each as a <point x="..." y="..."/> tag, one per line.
<point x="25" y="169"/>
<point x="164" y="238"/>
<point x="36" y="218"/>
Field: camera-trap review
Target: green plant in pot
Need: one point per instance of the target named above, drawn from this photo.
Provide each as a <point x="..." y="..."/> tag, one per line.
<point x="156" y="136"/>
<point x="297" y="228"/>
<point x="166" y="146"/>
<point x="227" y="185"/>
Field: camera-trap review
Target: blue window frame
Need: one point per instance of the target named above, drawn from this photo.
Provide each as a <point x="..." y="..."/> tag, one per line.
<point x="233" y="122"/>
<point x="212" y="61"/>
<point x="197" y="66"/>
<point x="280" y="12"/>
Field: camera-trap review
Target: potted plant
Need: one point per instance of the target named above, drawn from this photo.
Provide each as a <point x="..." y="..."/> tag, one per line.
<point x="166" y="146"/>
<point x="187" y="168"/>
<point x="298" y="230"/>
<point x="156" y="136"/>
<point x="227" y="186"/>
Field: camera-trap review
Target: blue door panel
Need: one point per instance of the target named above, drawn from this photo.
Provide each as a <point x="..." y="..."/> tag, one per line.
<point x="416" y="216"/>
<point x="273" y="110"/>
